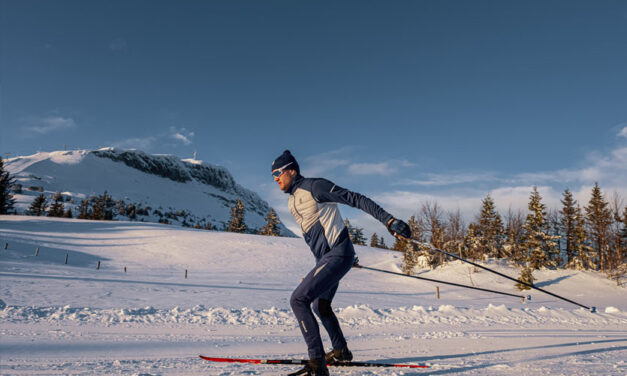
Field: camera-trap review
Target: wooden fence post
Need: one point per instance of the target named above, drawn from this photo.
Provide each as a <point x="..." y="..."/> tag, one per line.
<point x="185" y="273"/>
<point x="437" y="292"/>
<point x="67" y="255"/>
<point x="98" y="267"/>
<point x="37" y="252"/>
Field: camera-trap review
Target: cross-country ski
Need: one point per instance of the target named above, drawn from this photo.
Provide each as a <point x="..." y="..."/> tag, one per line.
<point x="304" y="361"/>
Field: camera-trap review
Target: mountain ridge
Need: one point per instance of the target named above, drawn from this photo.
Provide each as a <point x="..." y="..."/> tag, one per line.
<point x="163" y="183"/>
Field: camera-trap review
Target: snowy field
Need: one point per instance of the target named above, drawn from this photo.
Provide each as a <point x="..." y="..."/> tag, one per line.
<point x="58" y="319"/>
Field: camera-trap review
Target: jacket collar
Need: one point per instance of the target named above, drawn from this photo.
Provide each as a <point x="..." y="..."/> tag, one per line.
<point x="295" y="183"/>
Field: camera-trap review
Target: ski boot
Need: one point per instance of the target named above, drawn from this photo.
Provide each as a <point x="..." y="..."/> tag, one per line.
<point x="339" y="356"/>
<point x="316" y="367"/>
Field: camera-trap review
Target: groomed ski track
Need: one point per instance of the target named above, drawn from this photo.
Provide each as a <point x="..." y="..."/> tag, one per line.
<point x="58" y="319"/>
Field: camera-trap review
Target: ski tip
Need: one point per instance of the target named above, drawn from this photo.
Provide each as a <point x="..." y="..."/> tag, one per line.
<point x="230" y="360"/>
<point x="412" y="365"/>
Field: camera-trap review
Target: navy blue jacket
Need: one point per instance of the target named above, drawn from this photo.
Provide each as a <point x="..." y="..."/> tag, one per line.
<point x="313" y="203"/>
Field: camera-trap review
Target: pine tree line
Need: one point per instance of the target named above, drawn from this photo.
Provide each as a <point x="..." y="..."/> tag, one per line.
<point x="6" y="197"/>
<point x="590" y="238"/>
<point x="237" y="223"/>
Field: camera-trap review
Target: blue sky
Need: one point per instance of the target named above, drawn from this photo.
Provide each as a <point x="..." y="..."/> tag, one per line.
<point x="405" y="101"/>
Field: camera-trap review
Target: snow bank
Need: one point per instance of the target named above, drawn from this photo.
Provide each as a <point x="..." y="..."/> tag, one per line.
<point x="358" y="316"/>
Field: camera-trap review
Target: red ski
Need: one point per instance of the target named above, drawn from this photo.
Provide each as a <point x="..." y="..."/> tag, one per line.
<point x="304" y="361"/>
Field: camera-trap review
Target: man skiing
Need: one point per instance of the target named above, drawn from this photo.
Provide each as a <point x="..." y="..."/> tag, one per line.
<point x="313" y="203"/>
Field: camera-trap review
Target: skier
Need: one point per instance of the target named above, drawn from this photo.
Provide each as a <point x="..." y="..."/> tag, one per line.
<point x="313" y="203"/>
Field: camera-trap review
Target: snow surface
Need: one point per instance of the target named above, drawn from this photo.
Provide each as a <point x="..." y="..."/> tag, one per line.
<point x="151" y="320"/>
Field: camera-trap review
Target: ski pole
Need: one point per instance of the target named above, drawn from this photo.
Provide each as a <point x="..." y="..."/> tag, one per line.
<point x="356" y="265"/>
<point x="592" y="309"/>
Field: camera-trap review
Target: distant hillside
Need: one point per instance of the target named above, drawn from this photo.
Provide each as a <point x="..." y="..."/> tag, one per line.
<point x="161" y="187"/>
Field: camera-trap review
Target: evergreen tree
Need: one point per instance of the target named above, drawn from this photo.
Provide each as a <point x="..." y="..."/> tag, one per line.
<point x="84" y="212"/>
<point x="382" y="243"/>
<point x="525" y="276"/>
<point x="56" y="209"/>
<point x="538" y="244"/>
<point x="349" y="228"/>
<point x="68" y="213"/>
<point x="569" y="212"/>
<point x="102" y="207"/>
<point x="599" y="219"/>
<point x="554" y="230"/>
<point x="7" y="201"/>
<point x="617" y="245"/>
<point x="471" y="243"/>
<point x="236" y="222"/>
<point x="38" y="206"/>
<point x="374" y="241"/>
<point x="489" y="230"/>
<point x="120" y="207"/>
<point x="109" y="205"/>
<point x="97" y="211"/>
<point x="271" y="228"/>
<point x="514" y="237"/>
<point x="356" y="234"/>
<point x="351" y="231"/>
<point x="130" y="211"/>
<point x="583" y="255"/>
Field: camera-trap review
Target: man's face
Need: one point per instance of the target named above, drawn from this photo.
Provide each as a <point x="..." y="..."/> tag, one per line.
<point x="285" y="179"/>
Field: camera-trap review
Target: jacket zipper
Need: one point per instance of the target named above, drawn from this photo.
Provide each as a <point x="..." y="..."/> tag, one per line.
<point x="297" y="212"/>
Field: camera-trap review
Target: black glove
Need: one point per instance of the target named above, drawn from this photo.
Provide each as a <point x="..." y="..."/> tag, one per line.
<point x="398" y="227"/>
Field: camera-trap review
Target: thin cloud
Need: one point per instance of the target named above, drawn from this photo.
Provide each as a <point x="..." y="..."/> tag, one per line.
<point x="182" y="135"/>
<point x="449" y="179"/>
<point x="49" y="124"/>
<point x="330" y="161"/>
<point x="623" y="132"/>
<point x="325" y="162"/>
<point x="139" y="143"/>
<point x="610" y="169"/>
<point x="382" y="168"/>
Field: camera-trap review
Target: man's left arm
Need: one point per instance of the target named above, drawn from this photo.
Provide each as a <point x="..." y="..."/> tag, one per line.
<point x="325" y="191"/>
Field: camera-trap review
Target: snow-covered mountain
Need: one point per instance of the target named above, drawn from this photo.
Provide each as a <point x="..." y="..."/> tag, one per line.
<point x="161" y="187"/>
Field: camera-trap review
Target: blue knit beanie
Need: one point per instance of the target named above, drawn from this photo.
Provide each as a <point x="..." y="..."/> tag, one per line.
<point x="283" y="160"/>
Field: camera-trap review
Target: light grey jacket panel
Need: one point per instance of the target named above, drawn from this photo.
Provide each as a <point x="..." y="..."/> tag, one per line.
<point x="307" y="212"/>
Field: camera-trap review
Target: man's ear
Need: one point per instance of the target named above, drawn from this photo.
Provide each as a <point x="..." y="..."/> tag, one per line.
<point x="292" y="172"/>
